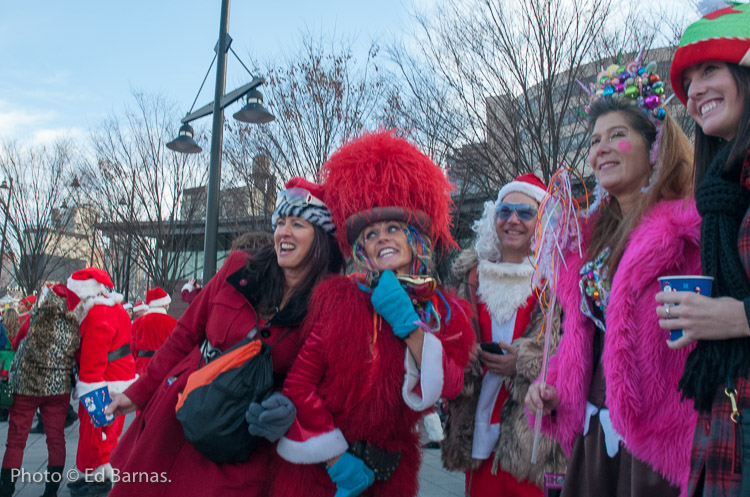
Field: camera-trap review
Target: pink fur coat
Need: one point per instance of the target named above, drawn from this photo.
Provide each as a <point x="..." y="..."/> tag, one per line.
<point x="641" y="372"/>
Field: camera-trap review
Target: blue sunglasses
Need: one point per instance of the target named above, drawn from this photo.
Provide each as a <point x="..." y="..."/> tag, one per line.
<point x="525" y="212"/>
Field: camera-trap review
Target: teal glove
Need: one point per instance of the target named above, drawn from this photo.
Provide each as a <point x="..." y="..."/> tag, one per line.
<point x="392" y="302"/>
<point x="351" y="475"/>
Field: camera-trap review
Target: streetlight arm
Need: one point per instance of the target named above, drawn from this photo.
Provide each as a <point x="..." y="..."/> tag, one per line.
<point x="226" y="100"/>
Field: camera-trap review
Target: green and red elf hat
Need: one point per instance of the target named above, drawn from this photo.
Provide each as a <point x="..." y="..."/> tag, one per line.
<point x="723" y="35"/>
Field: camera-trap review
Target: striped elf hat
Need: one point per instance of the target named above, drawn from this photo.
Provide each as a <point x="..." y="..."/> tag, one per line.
<point x="723" y="35"/>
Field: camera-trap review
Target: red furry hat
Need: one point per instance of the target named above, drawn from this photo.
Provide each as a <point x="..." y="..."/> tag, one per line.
<point x="382" y="177"/>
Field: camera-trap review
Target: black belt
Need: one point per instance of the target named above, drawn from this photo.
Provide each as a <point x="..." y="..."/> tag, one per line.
<point x="146" y="353"/>
<point x="381" y="462"/>
<point x="119" y="353"/>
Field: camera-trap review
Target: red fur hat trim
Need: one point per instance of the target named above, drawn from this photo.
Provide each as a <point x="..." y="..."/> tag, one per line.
<point x="381" y="170"/>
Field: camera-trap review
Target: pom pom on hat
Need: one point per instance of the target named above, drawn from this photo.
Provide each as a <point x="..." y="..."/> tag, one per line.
<point x="382" y="177"/>
<point x="304" y="199"/>
<point x="90" y="282"/>
<point x="157" y="297"/>
<point x="723" y="35"/>
<point x="528" y="184"/>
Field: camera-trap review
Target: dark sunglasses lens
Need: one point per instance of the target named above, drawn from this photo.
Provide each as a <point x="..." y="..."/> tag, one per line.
<point x="525" y="213"/>
<point x="504" y="212"/>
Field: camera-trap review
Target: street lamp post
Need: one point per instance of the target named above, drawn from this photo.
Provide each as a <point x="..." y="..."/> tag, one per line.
<point x="253" y="112"/>
<point x="5" y="186"/>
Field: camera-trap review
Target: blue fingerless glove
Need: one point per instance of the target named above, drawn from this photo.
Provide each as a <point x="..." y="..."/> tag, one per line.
<point x="351" y="475"/>
<point x="272" y="418"/>
<point x="392" y="302"/>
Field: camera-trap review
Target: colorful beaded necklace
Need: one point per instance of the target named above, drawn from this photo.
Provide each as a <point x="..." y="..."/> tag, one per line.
<point x="595" y="287"/>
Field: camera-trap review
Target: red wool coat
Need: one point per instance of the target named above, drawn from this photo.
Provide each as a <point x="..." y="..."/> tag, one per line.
<point x="155" y="441"/>
<point x="350" y="384"/>
<point x="149" y="332"/>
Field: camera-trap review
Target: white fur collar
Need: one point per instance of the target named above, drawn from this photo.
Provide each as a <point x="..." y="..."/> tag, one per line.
<point x="157" y="310"/>
<point x="83" y="308"/>
<point x="504" y="287"/>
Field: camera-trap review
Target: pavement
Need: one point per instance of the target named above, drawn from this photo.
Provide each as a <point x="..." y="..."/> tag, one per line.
<point x="434" y="481"/>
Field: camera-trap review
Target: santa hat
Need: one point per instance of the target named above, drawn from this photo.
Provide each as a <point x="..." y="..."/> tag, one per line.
<point x="127" y="305"/>
<point x="528" y="184"/>
<point x="302" y="198"/>
<point x="90" y="282"/>
<point x="140" y="307"/>
<point x="723" y="34"/>
<point x="382" y="177"/>
<point x="157" y="297"/>
<point x="28" y="301"/>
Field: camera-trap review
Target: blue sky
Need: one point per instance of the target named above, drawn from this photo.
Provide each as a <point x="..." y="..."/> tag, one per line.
<point x="64" y="65"/>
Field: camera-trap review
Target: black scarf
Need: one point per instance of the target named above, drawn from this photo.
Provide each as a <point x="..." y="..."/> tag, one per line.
<point x="722" y="204"/>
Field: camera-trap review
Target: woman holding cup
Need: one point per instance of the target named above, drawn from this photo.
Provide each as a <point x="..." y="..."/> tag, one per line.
<point x="710" y="75"/>
<point x="612" y="384"/>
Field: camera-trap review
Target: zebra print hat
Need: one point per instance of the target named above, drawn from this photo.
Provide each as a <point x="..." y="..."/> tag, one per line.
<point x="303" y="199"/>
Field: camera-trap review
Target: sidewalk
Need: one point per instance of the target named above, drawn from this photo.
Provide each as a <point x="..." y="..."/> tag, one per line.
<point x="433" y="479"/>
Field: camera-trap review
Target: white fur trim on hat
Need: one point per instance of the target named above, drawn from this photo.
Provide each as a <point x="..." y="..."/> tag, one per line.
<point x="86" y="288"/>
<point x="521" y="187"/>
<point x="140" y="307"/>
<point x="160" y="302"/>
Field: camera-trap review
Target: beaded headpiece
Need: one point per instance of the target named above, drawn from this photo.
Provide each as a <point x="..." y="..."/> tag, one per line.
<point x="640" y="84"/>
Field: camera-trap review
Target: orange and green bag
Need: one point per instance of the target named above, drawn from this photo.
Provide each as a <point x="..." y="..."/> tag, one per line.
<point x="212" y="406"/>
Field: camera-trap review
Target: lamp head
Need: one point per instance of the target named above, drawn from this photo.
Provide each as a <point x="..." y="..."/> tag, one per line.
<point x="254" y="112"/>
<point x="184" y="143"/>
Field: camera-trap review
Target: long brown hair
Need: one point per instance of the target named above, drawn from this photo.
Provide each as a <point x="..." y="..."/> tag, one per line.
<point x="675" y="171"/>
<point x="10" y="321"/>
<point x="707" y="146"/>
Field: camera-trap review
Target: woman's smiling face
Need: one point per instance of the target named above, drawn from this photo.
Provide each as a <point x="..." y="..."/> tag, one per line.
<point x="713" y="98"/>
<point x="387" y="246"/>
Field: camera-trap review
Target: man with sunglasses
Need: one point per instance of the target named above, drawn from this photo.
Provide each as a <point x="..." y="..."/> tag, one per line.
<point x="497" y="281"/>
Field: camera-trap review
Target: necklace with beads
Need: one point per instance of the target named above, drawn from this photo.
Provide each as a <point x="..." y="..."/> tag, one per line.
<point x="595" y="286"/>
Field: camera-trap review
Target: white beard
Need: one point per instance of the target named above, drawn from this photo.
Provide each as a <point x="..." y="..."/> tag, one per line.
<point x="504" y="287"/>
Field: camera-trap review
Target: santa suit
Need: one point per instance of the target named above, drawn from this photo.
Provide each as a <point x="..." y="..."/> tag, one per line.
<point x="149" y="332"/>
<point x="24" y="321"/>
<point x="354" y="380"/>
<point x="105" y="328"/>
<point x="506" y="300"/>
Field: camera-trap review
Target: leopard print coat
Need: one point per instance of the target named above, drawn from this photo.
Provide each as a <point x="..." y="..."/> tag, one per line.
<point x="45" y="359"/>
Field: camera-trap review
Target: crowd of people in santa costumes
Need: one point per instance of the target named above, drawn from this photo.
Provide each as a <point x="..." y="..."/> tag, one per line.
<point x="104" y="360"/>
<point x="381" y="347"/>
<point x="487" y="434"/>
<point x="150" y="331"/>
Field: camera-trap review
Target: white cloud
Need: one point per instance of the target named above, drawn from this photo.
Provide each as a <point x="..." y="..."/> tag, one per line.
<point x="45" y="136"/>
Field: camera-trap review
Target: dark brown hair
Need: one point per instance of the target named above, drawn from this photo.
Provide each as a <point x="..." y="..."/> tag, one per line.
<point x="706" y="146"/>
<point x="675" y="169"/>
<point x="267" y="280"/>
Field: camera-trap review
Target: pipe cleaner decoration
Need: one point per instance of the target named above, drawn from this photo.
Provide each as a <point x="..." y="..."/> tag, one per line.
<point x="557" y="232"/>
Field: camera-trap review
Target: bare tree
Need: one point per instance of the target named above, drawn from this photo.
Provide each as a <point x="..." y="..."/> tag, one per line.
<point x="139" y="185"/>
<point x="38" y="230"/>
<point x="321" y="96"/>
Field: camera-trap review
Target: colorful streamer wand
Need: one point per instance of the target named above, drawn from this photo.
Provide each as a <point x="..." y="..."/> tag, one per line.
<point x="557" y="232"/>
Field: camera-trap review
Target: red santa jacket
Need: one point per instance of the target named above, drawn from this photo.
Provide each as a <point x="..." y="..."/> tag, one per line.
<point x="354" y="380"/>
<point x="105" y="329"/>
<point x="24" y="321"/>
<point x="149" y="332"/>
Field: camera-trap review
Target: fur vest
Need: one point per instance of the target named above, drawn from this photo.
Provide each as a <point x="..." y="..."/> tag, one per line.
<point x="503" y="288"/>
<point x="45" y="360"/>
<point x="640" y="371"/>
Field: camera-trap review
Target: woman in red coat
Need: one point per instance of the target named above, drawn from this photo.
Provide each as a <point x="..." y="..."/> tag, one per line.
<point x="382" y="347"/>
<point x="269" y="290"/>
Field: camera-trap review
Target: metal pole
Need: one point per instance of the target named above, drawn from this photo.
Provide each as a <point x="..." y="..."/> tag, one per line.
<point x="130" y="242"/>
<point x="217" y="135"/>
<point x="5" y="227"/>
